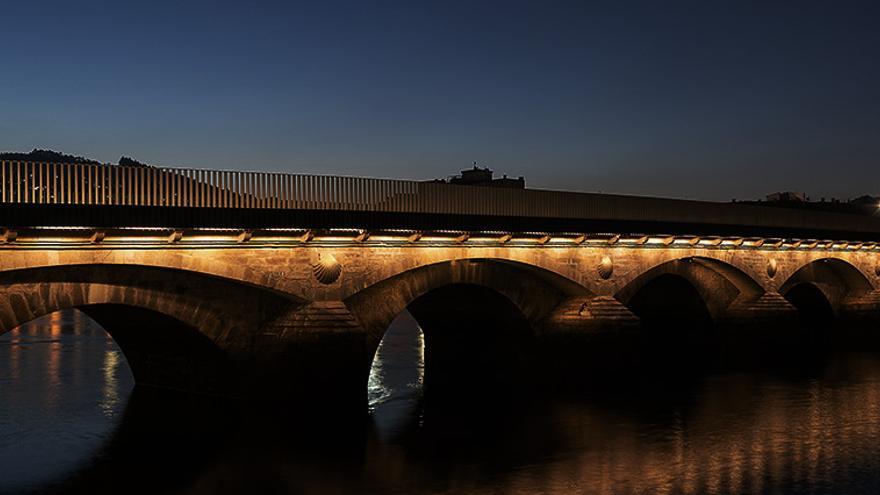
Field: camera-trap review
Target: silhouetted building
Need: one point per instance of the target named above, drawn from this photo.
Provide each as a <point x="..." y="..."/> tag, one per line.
<point x="862" y="205"/>
<point x="483" y="177"/>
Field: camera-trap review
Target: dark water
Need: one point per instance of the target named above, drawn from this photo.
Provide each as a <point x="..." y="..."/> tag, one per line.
<point x="63" y="387"/>
<point x="70" y="421"/>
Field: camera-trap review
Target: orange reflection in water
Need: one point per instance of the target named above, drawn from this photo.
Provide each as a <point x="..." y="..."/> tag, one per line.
<point x="54" y="323"/>
<point x="742" y="435"/>
<point x="54" y="351"/>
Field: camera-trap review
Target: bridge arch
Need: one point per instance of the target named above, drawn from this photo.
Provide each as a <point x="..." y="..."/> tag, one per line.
<point x="680" y="304"/>
<point x="213" y="264"/>
<point x="717" y="284"/>
<point x="532" y="290"/>
<point x="479" y="316"/>
<point x="829" y="283"/>
<point x="176" y="328"/>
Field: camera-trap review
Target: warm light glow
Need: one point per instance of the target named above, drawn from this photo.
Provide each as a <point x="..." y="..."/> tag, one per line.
<point x="434" y="238"/>
<point x="135" y="239"/>
<point x="561" y="240"/>
<point x="387" y="238"/>
<point x="154" y="237"/>
<point x="754" y="242"/>
<point x="482" y="240"/>
<point x="736" y="241"/>
<point x="664" y="240"/>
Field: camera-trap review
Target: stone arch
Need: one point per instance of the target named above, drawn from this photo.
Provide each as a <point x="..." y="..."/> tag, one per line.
<point x="479" y="318"/>
<point x="840" y="282"/>
<point x="720" y="285"/>
<point x="209" y="263"/>
<point x="176" y="328"/>
<point x="533" y="290"/>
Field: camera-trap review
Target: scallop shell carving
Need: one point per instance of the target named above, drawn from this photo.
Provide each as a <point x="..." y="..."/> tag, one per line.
<point x="605" y="268"/>
<point x="772" y="267"/>
<point x="326" y="269"/>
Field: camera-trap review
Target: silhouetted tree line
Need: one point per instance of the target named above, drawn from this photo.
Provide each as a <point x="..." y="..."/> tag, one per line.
<point x="130" y="162"/>
<point x="49" y="156"/>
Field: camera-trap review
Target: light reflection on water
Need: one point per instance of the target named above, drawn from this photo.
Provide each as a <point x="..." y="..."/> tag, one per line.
<point x="813" y="427"/>
<point x="63" y="386"/>
<point x="394" y="389"/>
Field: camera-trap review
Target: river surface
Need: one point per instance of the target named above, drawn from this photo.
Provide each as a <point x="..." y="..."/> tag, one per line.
<point x="72" y="421"/>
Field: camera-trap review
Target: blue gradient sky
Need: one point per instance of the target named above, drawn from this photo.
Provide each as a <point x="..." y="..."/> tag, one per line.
<point x="710" y="100"/>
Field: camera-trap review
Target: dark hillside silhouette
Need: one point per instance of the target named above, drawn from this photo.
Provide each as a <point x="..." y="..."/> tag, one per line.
<point x="49" y="156"/>
<point x="38" y="155"/>
<point x="130" y="162"/>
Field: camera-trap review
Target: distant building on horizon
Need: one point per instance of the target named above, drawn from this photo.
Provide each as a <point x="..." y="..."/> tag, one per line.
<point x="861" y="205"/>
<point x="484" y="177"/>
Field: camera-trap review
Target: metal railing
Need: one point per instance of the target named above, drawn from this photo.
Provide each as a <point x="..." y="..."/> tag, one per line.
<point x="90" y="184"/>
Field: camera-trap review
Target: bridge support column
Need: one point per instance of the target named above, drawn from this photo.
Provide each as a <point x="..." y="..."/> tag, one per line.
<point x="589" y="317"/>
<point x="770" y="310"/>
<point x="859" y="316"/>
<point x="865" y="306"/>
<point x="315" y="355"/>
<point x="763" y="329"/>
<point x="585" y="333"/>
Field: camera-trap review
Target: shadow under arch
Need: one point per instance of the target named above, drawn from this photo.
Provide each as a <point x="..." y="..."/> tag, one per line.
<point x="161" y="351"/>
<point x="835" y="279"/>
<point x="815" y="312"/>
<point x="828" y="291"/>
<point x="533" y="290"/>
<point x="475" y="338"/>
<point x="177" y="329"/>
<point x="478" y="317"/>
<point x="679" y="304"/>
<point x="719" y="285"/>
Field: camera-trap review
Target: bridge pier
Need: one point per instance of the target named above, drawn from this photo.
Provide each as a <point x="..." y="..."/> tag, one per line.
<point x="584" y="335"/>
<point x="759" y="329"/>
<point x="315" y="355"/>
<point x="758" y="321"/>
<point x="863" y="306"/>
<point x="858" y="320"/>
<point x="588" y="317"/>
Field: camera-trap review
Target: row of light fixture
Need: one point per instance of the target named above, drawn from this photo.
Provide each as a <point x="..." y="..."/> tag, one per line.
<point x="148" y="235"/>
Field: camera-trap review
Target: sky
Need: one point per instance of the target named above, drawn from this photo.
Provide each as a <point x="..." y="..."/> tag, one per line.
<point x="709" y="99"/>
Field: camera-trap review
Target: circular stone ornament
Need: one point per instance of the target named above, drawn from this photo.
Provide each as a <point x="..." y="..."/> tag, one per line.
<point x="326" y="269"/>
<point x="772" y="267"/>
<point x="605" y="268"/>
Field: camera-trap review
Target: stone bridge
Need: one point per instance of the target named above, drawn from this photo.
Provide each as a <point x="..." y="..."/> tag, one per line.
<point x="246" y="284"/>
<point x="216" y="315"/>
